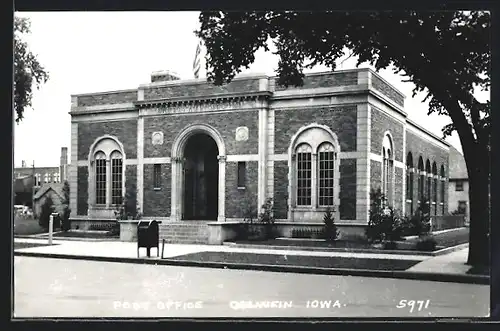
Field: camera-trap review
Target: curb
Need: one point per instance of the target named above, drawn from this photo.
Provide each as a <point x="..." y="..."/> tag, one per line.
<point x="350" y="250"/>
<point x="66" y="238"/>
<point x="435" y="277"/>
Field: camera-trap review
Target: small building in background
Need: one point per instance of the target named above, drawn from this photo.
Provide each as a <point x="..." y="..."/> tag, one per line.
<point x="28" y="180"/>
<point x="44" y="175"/>
<point x="458" y="188"/>
<point x="52" y="190"/>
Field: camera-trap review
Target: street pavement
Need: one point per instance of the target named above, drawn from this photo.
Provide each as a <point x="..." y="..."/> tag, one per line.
<point x="47" y="287"/>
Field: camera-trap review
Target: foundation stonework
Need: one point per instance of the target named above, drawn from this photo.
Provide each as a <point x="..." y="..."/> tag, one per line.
<point x="328" y="143"/>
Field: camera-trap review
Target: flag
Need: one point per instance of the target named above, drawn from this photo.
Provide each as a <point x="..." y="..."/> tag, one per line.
<point x="197" y="61"/>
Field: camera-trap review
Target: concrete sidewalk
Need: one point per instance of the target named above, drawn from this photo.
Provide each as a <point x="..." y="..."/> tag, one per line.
<point x="449" y="267"/>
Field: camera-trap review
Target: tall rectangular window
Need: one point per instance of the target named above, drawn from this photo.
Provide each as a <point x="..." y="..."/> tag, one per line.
<point x="421" y="179"/>
<point x="157" y="175"/>
<point x="409" y="189"/>
<point x="435" y="193"/>
<point x="116" y="181"/>
<point x="100" y="181"/>
<point x="242" y="168"/>
<point x="304" y="171"/>
<point x="429" y="189"/>
<point x="326" y="176"/>
<point x="442" y="197"/>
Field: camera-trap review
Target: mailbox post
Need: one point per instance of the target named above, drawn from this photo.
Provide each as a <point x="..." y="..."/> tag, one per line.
<point x="148" y="236"/>
<point x="51" y="226"/>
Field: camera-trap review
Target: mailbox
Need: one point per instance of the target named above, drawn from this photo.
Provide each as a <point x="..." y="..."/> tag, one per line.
<point x="148" y="236"/>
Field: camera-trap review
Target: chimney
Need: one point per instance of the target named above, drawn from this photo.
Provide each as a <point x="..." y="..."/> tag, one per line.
<point x="164" y="76"/>
<point x="63" y="164"/>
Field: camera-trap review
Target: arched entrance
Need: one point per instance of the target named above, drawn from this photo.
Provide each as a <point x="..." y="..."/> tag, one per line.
<point x="200" y="178"/>
<point x="198" y="174"/>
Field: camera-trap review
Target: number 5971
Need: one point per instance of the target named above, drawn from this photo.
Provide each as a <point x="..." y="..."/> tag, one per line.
<point x="414" y="305"/>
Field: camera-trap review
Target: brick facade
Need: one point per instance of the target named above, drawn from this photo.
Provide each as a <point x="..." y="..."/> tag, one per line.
<point x="131" y="185"/>
<point x="125" y="131"/>
<point x="225" y="124"/>
<point x="398" y="188"/>
<point x="157" y="200"/>
<point x="192" y="90"/>
<point x="347" y="191"/>
<point x="419" y="147"/>
<point x="318" y="81"/>
<point x="82" y="193"/>
<point x="273" y="115"/>
<point x="382" y="123"/>
<point x="281" y="189"/>
<point x="341" y="120"/>
<point x="239" y="200"/>
<point x="107" y="98"/>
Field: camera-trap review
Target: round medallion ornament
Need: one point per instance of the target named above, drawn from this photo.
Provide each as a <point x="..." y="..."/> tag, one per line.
<point x="157" y="138"/>
<point x="241" y="133"/>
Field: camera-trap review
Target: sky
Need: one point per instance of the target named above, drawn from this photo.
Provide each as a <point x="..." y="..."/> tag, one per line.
<point x="88" y="52"/>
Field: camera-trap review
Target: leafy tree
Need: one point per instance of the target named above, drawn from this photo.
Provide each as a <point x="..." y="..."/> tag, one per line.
<point x="28" y="72"/>
<point x="445" y="54"/>
<point x="46" y="210"/>
<point x="66" y="210"/>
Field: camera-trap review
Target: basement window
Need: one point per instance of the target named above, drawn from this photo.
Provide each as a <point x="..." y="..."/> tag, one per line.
<point x="242" y="174"/>
<point x="157" y="176"/>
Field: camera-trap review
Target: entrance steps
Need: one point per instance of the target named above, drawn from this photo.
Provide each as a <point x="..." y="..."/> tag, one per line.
<point x="184" y="232"/>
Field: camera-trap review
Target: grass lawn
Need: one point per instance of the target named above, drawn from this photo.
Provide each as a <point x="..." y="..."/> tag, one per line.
<point x="26" y="226"/>
<point x="296" y="260"/>
<point x="444" y="240"/>
<point x="21" y="245"/>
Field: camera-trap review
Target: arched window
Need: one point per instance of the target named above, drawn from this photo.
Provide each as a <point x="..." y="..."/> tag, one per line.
<point x="107" y="173"/>
<point x="428" y="184"/>
<point x="409" y="183"/>
<point x="443" y="178"/>
<point x="421" y="180"/>
<point x="326" y="153"/>
<point x="387" y="169"/>
<point x="304" y="174"/>
<point x="315" y="168"/>
<point x="100" y="178"/>
<point x="434" y="187"/>
<point x="116" y="177"/>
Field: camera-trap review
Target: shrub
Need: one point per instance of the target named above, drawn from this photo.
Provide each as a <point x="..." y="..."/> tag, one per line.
<point x="426" y="244"/>
<point x="266" y="218"/>
<point x="418" y="224"/>
<point x="129" y="207"/>
<point x="330" y="232"/>
<point x="248" y="228"/>
<point x="385" y="223"/>
<point x="46" y="210"/>
<point x="390" y="245"/>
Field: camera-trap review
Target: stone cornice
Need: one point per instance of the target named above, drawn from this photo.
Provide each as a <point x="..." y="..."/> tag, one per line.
<point x="205" y="99"/>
